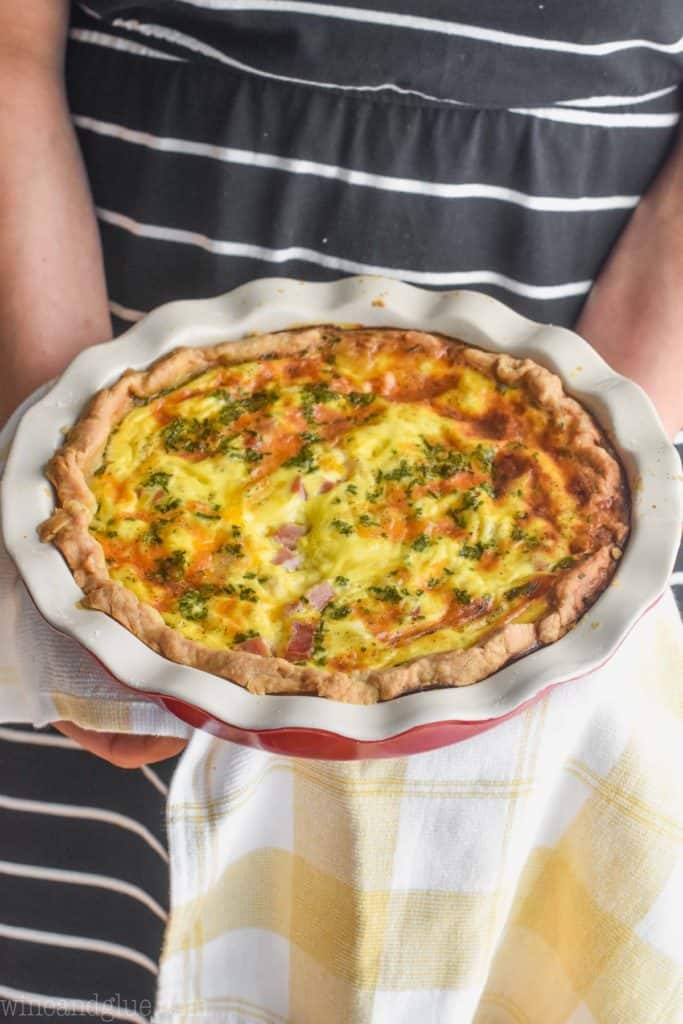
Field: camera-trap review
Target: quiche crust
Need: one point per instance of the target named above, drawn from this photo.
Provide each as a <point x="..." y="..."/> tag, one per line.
<point x="604" y="502"/>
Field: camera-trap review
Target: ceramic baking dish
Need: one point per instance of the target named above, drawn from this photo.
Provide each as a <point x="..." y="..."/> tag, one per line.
<point x="311" y="726"/>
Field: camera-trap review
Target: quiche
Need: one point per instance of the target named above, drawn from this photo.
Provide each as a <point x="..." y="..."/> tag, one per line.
<point x="355" y="513"/>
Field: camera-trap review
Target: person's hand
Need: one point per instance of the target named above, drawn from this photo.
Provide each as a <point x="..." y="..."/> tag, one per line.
<point x="121" y="749"/>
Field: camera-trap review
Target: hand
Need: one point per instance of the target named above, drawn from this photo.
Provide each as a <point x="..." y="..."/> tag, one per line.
<point x="122" y="749"/>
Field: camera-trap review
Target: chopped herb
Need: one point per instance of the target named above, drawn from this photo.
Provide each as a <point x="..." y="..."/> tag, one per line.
<point x="341" y="581"/>
<point x="390" y="594"/>
<point x="352" y="489"/>
<point x="243" y="454"/>
<point x="243" y="592"/>
<point x="250" y="575"/>
<point x="232" y="548"/>
<point x="171" y="568"/>
<point x="338" y="611"/>
<point x="240" y="638"/>
<point x="188" y="435"/>
<point x="205" y="515"/>
<point x="434" y="582"/>
<point x="530" y="541"/>
<point x="303" y="460"/>
<point x="484" y="455"/>
<point x="488" y="489"/>
<point x="100" y="470"/>
<point x="235" y="530"/>
<point x="400" y="472"/>
<point x="470" y="499"/>
<point x="457" y="517"/>
<point x="564" y="563"/>
<point x="366" y="520"/>
<point x="461" y="595"/>
<point x="168" y="506"/>
<point x="320" y="392"/>
<point x="233" y="408"/>
<point x="523" y="590"/>
<point x="153" y="535"/>
<point x="315" y="393"/>
<point x="157" y="480"/>
<point x="474" y="551"/>
<point x="342" y="527"/>
<point x="422" y="542"/>
<point x="193" y="606"/>
<point x="442" y="461"/>
<point x="360" y="398"/>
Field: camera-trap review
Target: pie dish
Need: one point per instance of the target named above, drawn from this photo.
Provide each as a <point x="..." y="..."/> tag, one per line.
<point x="305" y="725"/>
<point x="353" y="513"/>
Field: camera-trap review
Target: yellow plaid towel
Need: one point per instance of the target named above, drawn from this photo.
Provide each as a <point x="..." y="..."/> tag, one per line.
<point x="530" y="875"/>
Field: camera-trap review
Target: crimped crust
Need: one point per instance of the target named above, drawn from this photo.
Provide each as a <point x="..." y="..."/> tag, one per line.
<point x="571" y="594"/>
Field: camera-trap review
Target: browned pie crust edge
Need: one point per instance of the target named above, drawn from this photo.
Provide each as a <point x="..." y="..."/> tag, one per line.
<point x="67" y="529"/>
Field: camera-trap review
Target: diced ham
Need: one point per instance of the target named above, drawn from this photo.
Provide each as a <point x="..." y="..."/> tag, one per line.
<point x="254" y="645"/>
<point x="320" y="595"/>
<point x="287" y="558"/>
<point x="298" y="488"/>
<point x="300" y="641"/>
<point x="289" y="533"/>
<point x="327" y="485"/>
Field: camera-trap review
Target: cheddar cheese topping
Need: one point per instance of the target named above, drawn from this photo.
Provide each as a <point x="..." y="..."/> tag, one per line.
<point x="353" y="507"/>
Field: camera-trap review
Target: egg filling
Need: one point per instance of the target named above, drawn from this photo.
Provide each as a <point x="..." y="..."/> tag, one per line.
<point x="341" y="508"/>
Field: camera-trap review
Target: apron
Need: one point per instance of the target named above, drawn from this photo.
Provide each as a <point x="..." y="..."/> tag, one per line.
<point x="491" y="145"/>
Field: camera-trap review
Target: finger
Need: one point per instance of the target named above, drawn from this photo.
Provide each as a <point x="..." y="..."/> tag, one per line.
<point x="122" y="749"/>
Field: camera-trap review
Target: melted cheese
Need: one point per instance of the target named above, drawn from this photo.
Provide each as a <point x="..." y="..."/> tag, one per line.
<point x="225" y="501"/>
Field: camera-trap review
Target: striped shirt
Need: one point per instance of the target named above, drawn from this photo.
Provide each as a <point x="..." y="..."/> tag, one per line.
<point x="499" y="146"/>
